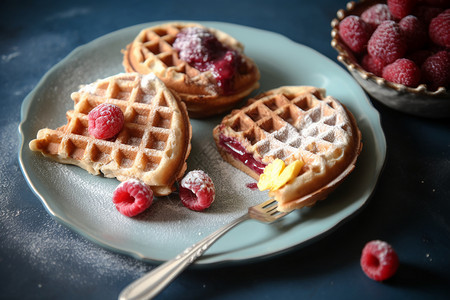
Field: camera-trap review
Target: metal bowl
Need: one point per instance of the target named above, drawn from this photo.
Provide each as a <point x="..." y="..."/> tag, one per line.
<point x="418" y="101"/>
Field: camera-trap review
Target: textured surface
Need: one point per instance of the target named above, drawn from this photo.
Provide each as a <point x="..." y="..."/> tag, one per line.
<point x="296" y="123"/>
<point x="152" y="146"/>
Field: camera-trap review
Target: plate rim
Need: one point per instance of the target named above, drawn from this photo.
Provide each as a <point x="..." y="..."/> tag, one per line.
<point x="24" y="117"/>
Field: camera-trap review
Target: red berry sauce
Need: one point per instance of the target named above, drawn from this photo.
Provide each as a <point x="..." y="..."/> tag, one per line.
<point x="235" y="148"/>
<point x="203" y="51"/>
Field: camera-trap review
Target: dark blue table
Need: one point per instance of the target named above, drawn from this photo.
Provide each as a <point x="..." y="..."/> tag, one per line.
<point x="41" y="259"/>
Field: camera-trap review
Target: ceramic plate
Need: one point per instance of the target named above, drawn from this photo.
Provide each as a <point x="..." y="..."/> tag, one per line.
<point x="83" y="201"/>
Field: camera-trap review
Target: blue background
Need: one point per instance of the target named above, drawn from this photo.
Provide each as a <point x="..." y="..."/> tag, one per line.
<point x="41" y="259"/>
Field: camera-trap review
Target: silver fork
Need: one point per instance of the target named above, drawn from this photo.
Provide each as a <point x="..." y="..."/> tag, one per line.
<point x="156" y="280"/>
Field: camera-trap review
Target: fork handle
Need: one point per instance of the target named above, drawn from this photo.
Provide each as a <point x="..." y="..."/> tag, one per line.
<point x="156" y="280"/>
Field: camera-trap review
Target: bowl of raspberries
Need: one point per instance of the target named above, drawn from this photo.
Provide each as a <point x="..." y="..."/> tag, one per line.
<point x="399" y="52"/>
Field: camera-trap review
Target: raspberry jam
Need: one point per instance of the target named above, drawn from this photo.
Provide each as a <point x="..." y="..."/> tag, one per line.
<point x="235" y="148"/>
<point x="203" y="51"/>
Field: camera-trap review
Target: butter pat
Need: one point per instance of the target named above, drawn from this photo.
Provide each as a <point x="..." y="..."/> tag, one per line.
<point x="276" y="174"/>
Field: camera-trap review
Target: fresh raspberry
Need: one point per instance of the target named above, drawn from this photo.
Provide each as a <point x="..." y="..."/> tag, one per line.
<point x="439" y="29"/>
<point x="402" y="71"/>
<point x="387" y="42"/>
<point x="197" y="190"/>
<point x="197" y="46"/>
<point x="379" y="261"/>
<point x="414" y="32"/>
<point x="105" y="121"/>
<point x="436" y="70"/>
<point x="372" y="64"/>
<point x="401" y="8"/>
<point x="355" y="33"/>
<point x="132" y="197"/>
<point x="376" y="14"/>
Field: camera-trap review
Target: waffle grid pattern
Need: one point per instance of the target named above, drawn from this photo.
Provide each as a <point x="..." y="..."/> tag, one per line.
<point x="143" y="144"/>
<point x="157" y="50"/>
<point x="290" y="127"/>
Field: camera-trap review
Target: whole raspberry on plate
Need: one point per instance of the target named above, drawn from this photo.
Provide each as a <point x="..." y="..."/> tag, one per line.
<point x="401" y="8"/>
<point x="379" y="260"/>
<point x="402" y="71"/>
<point x="197" y="190"/>
<point x="355" y="33"/>
<point x="436" y="70"/>
<point x="439" y="29"/>
<point x="132" y="197"/>
<point x="376" y="14"/>
<point x="387" y="42"/>
<point x="105" y="121"/>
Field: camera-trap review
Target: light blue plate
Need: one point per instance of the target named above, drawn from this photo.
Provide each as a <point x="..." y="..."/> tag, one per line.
<point x="83" y="202"/>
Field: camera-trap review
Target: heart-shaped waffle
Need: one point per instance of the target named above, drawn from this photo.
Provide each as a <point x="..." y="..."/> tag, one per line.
<point x="293" y="123"/>
<point x="152" y="51"/>
<point x="152" y="146"/>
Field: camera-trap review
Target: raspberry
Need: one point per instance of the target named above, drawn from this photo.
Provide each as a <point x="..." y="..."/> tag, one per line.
<point x="439" y="29"/>
<point x="197" y="190"/>
<point x="436" y="70"/>
<point x="387" y="42"/>
<point x="132" y="197"/>
<point x="402" y="71"/>
<point x="401" y="8"/>
<point x="372" y="64"/>
<point x="105" y="121"/>
<point x="376" y="14"/>
<point x="379" y="261"/>
<point x="414" y="32"/>
<point x="197" y="45"/>
<point x="355" y="33"/>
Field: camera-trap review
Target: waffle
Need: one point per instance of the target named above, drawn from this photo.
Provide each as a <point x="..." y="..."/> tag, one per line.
<point x="152" y="51"/>
<point x="152" y="146"/>
<point x="292" y="123"/>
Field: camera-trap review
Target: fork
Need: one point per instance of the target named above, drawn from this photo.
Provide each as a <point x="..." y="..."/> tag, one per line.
<point x="156" y="280"/>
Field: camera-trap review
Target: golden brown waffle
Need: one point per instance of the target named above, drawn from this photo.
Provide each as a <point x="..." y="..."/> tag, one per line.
<point x="152" y="146"/>
<point x="292" y="123"/>
<point x="152" y="52"/>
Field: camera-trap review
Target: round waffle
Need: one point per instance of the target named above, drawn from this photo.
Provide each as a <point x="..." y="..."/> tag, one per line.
<point x="152" y="51"/>
<point x="292" y="123"/>
<point x="152" y="146"/>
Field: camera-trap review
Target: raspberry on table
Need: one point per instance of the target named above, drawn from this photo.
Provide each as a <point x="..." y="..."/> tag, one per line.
<point x="436" y="70"/>
<point x="402" y="71"/>
<point x="376" y="14"/>
<point x="105" y="121"/>
<point x="387" y="42"/>
<point x="379" y="260"/>
<point x="372" y="64"/>
<point x="439" y="29"/>
<point x="401" y="8"/>
<point x="355" y="33"/>
<point x="197" y="190"/>
<point x="132" y="197"/>
<point x="414" y="32"/>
